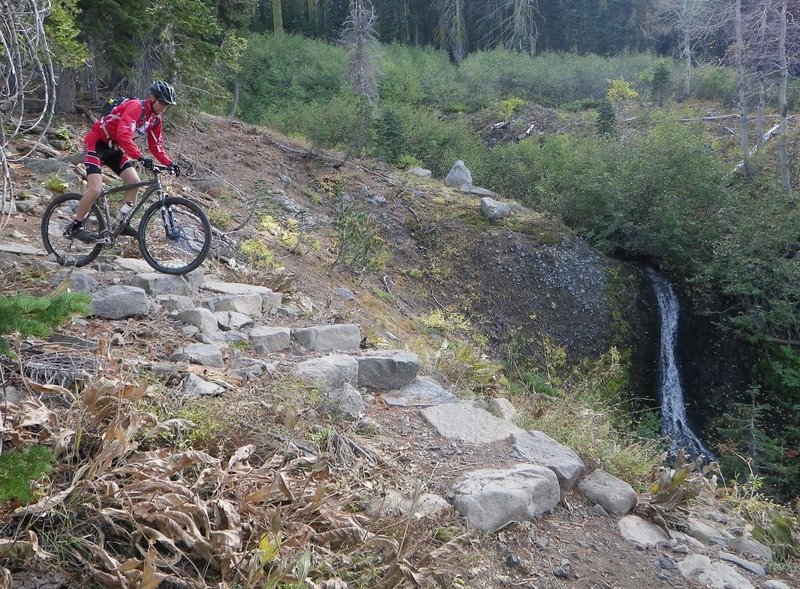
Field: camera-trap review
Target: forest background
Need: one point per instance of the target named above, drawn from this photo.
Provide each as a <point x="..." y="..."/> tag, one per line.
<point x="406" y="81"/>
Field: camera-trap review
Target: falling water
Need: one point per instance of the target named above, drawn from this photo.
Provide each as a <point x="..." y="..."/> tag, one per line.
<point x="674" y="424"/>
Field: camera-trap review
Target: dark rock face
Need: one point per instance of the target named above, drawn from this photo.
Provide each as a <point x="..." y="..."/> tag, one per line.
<point x="715" y="367"/>
<point x="520" y="288"/>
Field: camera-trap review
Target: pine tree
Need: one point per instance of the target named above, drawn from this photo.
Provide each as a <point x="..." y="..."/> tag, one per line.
<point x="31" y="315"/>
<point x="606" y="118"/>
<point x="661" y="83"/>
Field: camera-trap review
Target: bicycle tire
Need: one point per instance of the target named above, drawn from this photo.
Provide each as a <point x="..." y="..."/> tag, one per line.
<point x="177" y="239"/>
<point x="60" y="213"/>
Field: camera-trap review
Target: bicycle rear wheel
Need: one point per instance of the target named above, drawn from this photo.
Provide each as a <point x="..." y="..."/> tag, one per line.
<point x="174" y="235"/>
<point x="76" y="251"/>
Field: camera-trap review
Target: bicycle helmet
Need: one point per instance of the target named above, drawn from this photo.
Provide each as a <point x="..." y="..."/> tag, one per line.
<point x="163" y="92"/>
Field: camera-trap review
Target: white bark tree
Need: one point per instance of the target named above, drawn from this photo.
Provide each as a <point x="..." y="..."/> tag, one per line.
<point x="27" y="92"/>
<point x="360" y="37"/>
<point x="693" y="21"/>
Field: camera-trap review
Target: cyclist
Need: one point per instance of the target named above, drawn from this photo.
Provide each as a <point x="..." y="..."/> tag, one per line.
<point x="111" y="142"/>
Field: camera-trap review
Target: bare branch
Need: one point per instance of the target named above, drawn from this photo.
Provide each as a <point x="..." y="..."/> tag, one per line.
<point x="27" y="82"/>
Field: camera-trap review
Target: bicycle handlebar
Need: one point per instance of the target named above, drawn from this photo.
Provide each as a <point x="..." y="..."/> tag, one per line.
<point x="158" y="168"/>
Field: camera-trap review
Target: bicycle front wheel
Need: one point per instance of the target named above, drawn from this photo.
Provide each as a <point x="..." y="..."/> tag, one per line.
<point x="174" y="235"/>
<point x="80" y="249"/>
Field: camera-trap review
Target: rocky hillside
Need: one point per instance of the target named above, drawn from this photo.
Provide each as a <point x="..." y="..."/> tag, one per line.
<point x="282" y="417"/>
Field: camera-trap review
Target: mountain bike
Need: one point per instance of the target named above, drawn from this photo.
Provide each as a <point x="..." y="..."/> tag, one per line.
<point x="174" y="234"/>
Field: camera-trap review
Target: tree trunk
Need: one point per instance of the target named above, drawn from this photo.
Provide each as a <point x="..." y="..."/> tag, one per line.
<point x="277" y="17"/>
<point x="687" y="65"/>
<point x="235" y="105"/>
<point x="687" y="53"/>
<point x="786" y="179"/>
<point x="455" y="28"/>
<point x="762" y="103"/>
<point x="65" y="90"/>
<point x="144" y="68"/>
<point x="741" y="85"/>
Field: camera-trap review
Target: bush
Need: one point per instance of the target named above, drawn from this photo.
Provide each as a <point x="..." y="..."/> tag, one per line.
<point x="438" y="143"/>
<point x="606" y="119"/>
<point x="283" y="70"/>
<point x="32" y="315"/>
<point x="19" y="469"/>
<point x="714" y="83"/>
<point x="331" y="123"/>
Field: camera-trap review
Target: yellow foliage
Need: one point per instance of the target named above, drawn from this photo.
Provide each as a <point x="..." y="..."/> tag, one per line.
<point x="619" y="91"/>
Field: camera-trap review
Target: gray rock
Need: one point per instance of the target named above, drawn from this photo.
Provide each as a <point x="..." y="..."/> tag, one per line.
<point x="387" y="370"/>
<point x="472" y="189"/>
<point x="79" y="280"/>
<point x="196" y="386"/>
<point x="250" y="304"/>
<point x="233" y="288"/>
<point x="420" y="172"/>
<point x="203" y="354"/>
<point x="750" y="547"/>
<point x="460" y="421"/>
<point x="494" y="210"/>
<point x="26" y="205"/>
<point x="773" y="584"/>
<point x="156" y="283"/>
<point x="202" y="319"/>
<point x="270" y="302"/>
<point x="503" y="408"/>
<point x="329" y="337"/>
<point x="712" y="575"/>
<point x="458" y="175"/>
<point x="344" y="402"/>
<point x="344" y="293"/>
<point x="45" y="166"/>
<point x="394" y="503"/>
<point x="642" y="532"/>
<point x="267" y="340"/>
<point x="131" y="265"/>
<point x="420" y="392"/>
<point x="329" y="372"/>
<point x="613" y="494"/>
<point x="120" y="302"/>
<point x="228" y="320"/>
<point x="707" y="533"/>
<point x="175" y="302"/>
<point x="21" y="248"/>
<point x="490" y="499"/>
<point x="751" y="567"/>
<point x="539" y="448"/>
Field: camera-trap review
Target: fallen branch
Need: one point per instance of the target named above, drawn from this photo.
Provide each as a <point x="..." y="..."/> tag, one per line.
<point x="766" y="137"/>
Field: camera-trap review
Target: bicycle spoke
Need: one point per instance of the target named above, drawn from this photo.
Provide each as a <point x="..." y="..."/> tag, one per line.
<point x="76" y="251"/>
<point x="175" y="236"/>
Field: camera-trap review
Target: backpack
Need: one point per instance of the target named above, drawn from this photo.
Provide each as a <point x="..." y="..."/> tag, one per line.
<point x="111" y="104"/>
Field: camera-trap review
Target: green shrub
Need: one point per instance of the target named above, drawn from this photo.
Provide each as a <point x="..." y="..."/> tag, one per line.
<point x="282" y="70"/>
<point x="32" y="315"/>
<point x="19" y="469"/>
<point x="359" y="246"/>
<point x="581" y="104"/>
<point x="714" y="83"/>
<point x="391" y="134"/>
<point x="438" y="143"/>
<point x="606" y="119"/>
<point x="510" y="105"/>
<point x="660" y="82"/>
<point x="331" y="123"/>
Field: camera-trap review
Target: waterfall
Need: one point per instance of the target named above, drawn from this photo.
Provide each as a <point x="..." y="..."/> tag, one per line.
<point x="674" y="423"/>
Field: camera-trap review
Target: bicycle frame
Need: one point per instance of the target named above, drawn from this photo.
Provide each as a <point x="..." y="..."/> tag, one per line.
<point x="153" y="186"/>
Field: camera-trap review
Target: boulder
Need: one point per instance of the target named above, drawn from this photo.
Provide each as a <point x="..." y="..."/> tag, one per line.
<point x="387" y="370"/>
<point x="612" y="494"/>
<point x="539" y="448"/>
<point x="458" y="175"/>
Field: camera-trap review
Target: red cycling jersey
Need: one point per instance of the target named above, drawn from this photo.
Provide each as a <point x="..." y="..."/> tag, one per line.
<point x="126" y="123"/>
